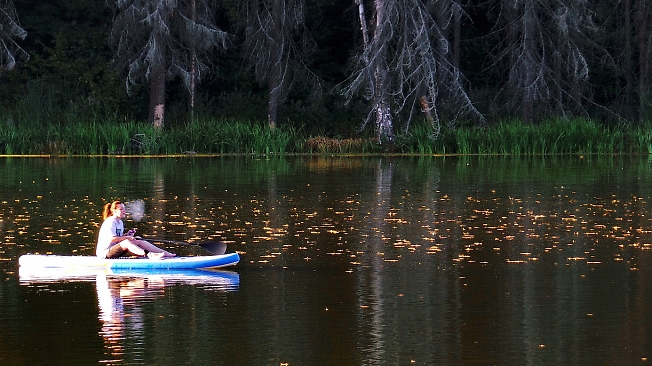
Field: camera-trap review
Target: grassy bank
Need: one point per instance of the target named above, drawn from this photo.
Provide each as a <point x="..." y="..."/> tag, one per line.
<point x="577" y="136"/>
<point x="126" y="137"/>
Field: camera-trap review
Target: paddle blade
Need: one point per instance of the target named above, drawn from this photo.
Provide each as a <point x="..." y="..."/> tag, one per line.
<point x="217" y="248"/>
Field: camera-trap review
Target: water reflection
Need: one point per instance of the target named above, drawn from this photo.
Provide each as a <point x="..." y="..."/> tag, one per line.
<point x="373" y="232"/>
<point x="122" y="296"/>
<point x="121" y="313"/>
<point x="370" y="260"/>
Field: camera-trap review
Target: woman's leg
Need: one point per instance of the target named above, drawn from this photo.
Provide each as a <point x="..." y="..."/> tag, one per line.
<point x="132" y="247"/>
<point x="145" y="245"/>
<point x="117" y="251"/>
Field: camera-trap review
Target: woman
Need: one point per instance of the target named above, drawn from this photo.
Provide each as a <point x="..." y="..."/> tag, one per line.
<point x="111" y="243"/>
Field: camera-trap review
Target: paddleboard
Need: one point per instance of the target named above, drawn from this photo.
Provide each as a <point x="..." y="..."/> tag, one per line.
<point x="72" y="262"/>
<point x="214" y="279"/>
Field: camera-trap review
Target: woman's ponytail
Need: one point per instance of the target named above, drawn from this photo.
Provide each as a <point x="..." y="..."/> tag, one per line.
<point x="106" y="212"/>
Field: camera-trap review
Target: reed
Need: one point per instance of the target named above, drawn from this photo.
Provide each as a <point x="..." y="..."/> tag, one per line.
<point x="643" y="136"/>
<point x="559" y="136"/>
<point x="114" y="135"/>
<point x="228" y="136"/>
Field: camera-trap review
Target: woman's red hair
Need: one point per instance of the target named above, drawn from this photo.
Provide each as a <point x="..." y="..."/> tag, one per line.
<point x="107" y="211"/>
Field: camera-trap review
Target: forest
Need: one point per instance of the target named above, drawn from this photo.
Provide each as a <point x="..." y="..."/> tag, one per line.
<point x="331" y="68"/>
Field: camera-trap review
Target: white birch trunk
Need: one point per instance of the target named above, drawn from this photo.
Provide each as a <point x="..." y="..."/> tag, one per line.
<point x="384" y="123"/>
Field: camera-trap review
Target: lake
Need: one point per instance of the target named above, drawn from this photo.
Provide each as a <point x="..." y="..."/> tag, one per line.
<point x="344" y="260"/>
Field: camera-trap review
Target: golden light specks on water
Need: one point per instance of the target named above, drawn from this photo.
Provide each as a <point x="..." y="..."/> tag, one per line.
<point x="477" y="228"/>
<point x="477" y="231"/>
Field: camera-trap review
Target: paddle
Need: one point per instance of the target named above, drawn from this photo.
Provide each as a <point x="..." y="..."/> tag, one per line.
<point x="217" y="248"/>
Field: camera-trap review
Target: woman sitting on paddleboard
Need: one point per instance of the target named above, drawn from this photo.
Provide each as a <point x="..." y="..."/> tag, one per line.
<point x="112" y="242"/>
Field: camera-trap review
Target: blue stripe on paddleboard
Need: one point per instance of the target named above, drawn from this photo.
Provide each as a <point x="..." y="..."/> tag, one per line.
<point x="177" y="263"/>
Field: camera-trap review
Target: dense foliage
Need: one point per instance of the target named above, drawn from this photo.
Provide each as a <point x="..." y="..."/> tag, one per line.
<point x="517" y="60"/>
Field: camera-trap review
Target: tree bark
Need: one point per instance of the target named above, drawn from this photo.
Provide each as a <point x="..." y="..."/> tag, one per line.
<point x="643" y="61"/>
<point x="363" y="23"/>
<point x="193" y="65"/>
<point x="629" y="67"/>
<point x="384" y="123"/>
<point x="157" y="86"/>
<point x="157" y="98"/>
<point x="457" y="35"/>
<point x="528" y="37"/>
<point x="274" y="79"/>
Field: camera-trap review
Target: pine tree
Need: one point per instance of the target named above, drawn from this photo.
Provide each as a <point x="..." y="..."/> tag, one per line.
<point x="10" y="30"/>
<point x="157" y="39"/>
<point x="545" y="46"/>
<point x="276" y="42"/>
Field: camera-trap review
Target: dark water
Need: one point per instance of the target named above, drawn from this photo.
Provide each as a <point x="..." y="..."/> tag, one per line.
<point x="345" y="261"/>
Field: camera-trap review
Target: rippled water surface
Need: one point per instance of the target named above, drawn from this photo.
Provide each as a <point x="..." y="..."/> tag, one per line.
<point x="347" y="261"/>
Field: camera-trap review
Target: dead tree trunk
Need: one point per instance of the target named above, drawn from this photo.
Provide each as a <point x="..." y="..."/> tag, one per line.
<point x="529" y="90"/>
<point x="457" y="35"/>
<point x="157" y="99"/>
<point x="629" y="67"/>
<point x="384" y="123"/>
<point x="643" y="58"/>
<point x="193" y="65"/>
<point x="275" y="73"/>
<point x="157" y="85"/>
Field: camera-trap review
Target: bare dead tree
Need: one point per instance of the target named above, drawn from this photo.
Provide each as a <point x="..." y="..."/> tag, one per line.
<point x="628" y="52"/>
<point x="156" y="39"/>
<point x="10" y="30"/>
<point x="407" y="60"/>
<point x="276" y="43"/>
<point x="545" y="44"/>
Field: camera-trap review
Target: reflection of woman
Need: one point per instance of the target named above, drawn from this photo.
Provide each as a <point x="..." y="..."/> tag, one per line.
<point x="111" y="307"/>
<point x="111" y="243"/>
<point x="122" y="315"/>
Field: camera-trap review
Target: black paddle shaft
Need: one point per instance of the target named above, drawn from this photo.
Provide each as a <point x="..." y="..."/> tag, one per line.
<point x="215" y="247"/>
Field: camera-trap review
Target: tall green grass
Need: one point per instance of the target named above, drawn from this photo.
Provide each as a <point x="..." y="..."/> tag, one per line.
<point x="560" y="136"/>
<point x="101" y="136"/>
<point x="116" y="136"/>
<point x="226" y="136"/>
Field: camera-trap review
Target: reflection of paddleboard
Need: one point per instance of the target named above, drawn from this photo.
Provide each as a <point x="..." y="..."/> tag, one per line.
<point x="70" y="262"/>
<point x="225" y="280"/>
